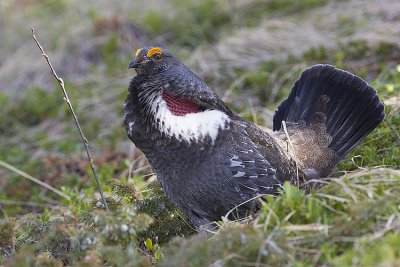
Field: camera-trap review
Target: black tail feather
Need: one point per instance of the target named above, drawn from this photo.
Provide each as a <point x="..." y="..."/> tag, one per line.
<point x="352" y="111"/>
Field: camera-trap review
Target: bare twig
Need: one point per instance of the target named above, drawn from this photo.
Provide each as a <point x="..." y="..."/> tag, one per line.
<point x="33" y="179"/>
<point x="66" y="99"/>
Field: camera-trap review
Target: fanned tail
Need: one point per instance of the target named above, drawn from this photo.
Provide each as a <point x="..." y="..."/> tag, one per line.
<point x="328" y="113"/>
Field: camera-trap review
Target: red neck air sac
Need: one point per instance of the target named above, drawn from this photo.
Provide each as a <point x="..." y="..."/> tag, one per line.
<point x="179" y="106"/>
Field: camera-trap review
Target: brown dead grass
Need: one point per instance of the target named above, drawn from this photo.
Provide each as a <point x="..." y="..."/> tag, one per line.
<point x="275" y="39"/>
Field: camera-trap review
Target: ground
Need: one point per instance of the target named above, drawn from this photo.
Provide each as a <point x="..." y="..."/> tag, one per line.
<point x="250" y="52"/>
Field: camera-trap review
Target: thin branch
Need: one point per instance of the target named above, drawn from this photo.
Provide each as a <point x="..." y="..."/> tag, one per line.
<point x="66" y="99"/>
<point x="33" y="179"/>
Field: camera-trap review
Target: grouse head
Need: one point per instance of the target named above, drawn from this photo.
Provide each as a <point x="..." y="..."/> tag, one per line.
<point x="172" y="99"/>
<point x="153" y="61"/>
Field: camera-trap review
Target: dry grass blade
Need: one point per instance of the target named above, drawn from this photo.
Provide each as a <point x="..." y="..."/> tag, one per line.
<point x="225" y="217"/>
<point x="66" y="99"/>
<point x="306" y="227"/>
<point x="33" y="179"/>
<point x="28" y="203"/>
<point x="392" y="223"/>
<point x="293" y="151"/>
<point x="336" y="198"/>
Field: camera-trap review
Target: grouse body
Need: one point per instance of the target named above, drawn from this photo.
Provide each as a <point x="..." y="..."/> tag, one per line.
<point x="209" y="160"/>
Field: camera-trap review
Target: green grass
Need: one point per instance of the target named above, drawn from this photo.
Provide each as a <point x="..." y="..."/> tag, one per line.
<point x="301" y="230"/>
<point x="206" y="21"/>
<point x="332" y="225"/>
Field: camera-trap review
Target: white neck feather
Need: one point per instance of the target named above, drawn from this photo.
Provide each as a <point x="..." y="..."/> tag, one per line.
<point x="192" y="127"/>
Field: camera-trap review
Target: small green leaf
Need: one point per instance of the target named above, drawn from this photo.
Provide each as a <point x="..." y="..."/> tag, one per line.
<point x="158" y="255"/>
<point x="149" y="244"/>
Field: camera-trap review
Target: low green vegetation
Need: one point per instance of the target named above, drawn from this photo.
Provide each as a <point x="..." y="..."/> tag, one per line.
<point x="335" y="225"/>
<point x="206" y="21"/>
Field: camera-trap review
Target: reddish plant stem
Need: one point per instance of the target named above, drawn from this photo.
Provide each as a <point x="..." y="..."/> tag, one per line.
<point x="78" y="126"/>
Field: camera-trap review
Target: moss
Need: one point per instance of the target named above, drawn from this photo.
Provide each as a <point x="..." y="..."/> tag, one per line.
<point x="167" y="221"/>
<point x="7" y="237"/>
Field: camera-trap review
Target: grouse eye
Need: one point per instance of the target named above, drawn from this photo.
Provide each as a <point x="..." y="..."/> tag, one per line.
<point x="156" y="57"/>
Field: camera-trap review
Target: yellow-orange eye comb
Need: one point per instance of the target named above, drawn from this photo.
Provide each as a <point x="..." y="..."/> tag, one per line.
<point x="138" y="51"/>
<point x="154" y="50"/>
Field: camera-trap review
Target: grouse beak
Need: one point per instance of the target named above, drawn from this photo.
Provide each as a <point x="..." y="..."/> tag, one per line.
<point x="133" y="64"/>
<point x="137" y="65"/>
